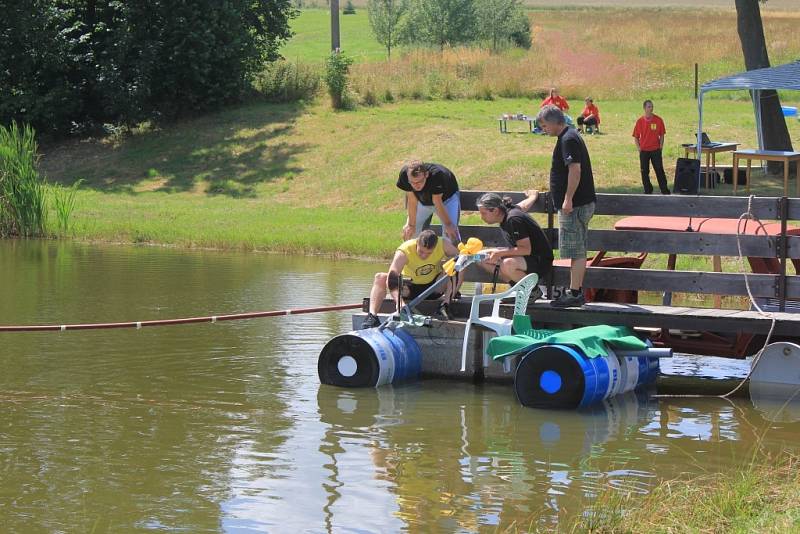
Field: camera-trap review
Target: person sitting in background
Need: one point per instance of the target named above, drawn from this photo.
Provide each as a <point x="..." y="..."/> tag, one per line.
<point x="528" y="249"/>
<point x="419" y="260"/>
<point x="589" y="117"/>
<point x="556" y="100"/>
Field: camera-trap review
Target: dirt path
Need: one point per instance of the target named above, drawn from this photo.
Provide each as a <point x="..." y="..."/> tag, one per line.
<point x="581" y="64"/>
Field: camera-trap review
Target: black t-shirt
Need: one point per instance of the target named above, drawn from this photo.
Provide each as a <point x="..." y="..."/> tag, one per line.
<point x="519" y="225"/>
<point x="441" y="181"/>
<point x="570" y="148"/>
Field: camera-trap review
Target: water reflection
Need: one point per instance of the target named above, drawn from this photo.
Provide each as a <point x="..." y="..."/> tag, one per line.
<point x="225" y="427"/>
<point x="151" y="429"/>
<point x="774" y="383"/>
<point x="779" y="403"/>
<point x="490" y="462"/>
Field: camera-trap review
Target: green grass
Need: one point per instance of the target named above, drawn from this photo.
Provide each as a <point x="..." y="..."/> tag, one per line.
<point x="224" y="222"/>
<point x="312" y="39"/>
<point x="23" y="196"/>
<point x="301" y="178"/>
<point x="761" y="497"/>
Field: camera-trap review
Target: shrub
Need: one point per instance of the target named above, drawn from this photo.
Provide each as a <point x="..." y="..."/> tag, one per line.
<point x="337" y="69"/>
<point x="484" y="92"/>
<point x="71" y="66"/>
<point x="521" y="30"/>
<point x="283" y="81"/>
<point x="349" y="9"/>
<point x="23" y="198"/>
<point x="369" y="97"/>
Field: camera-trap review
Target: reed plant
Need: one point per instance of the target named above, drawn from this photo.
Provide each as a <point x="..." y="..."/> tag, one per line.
<point x="63" y="200"/>
<point x="23" y="195"/>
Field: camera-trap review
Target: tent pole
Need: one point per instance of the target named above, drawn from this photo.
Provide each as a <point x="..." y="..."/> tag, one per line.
<point x="699" y="141"/>
<point x="756" y="96"/>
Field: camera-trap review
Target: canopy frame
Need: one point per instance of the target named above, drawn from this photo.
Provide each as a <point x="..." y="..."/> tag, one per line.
<point x="785" y="76"/>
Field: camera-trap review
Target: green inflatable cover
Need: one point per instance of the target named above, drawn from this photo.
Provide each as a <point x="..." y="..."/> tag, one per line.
<point x="591" y="340"/>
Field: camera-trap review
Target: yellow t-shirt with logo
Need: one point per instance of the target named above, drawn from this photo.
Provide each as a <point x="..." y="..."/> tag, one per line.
<point x="422" y="271"/>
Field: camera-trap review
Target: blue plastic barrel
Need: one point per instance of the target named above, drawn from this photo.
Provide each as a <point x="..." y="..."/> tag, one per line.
<point x="789" y="111"/>
<point x="653" y="370"/>
<point x="557" y="376"/>
<point x="369" y="358"/>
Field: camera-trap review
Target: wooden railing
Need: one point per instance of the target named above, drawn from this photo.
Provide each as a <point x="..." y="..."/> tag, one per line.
<point x="782" y="248"/>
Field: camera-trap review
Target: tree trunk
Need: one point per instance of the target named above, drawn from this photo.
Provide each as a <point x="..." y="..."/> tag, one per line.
<point x="754" y="48"/>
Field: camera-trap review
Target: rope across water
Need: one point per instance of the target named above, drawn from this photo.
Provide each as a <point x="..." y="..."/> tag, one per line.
<point x="169" y="322"/>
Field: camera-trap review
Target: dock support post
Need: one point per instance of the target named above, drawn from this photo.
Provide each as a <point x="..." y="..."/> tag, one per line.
<point x="783" y="209"/>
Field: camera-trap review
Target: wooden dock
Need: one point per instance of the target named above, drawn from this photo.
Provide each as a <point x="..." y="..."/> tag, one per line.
<point x="711" y="332"/>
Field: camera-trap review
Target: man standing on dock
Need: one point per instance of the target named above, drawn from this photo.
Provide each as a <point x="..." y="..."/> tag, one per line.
<point x="572" y="188"/>
<point x="430" y="187"/>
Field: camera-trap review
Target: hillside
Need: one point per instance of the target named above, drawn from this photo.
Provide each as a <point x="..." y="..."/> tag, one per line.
<point x="301" y="177"/>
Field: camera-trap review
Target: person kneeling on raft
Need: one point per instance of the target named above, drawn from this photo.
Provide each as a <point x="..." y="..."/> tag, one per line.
<point x="419" y="260"/>
<point x="528" y="249"/>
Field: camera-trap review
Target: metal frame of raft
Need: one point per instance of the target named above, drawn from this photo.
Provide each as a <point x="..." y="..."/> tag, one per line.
<point x="548" y="376"/>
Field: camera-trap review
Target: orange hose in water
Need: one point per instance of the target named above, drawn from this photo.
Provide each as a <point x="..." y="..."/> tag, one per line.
<point x="168" y="322"/>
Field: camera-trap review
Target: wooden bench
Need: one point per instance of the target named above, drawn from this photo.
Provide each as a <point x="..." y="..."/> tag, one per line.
<point x="777" y="287"/>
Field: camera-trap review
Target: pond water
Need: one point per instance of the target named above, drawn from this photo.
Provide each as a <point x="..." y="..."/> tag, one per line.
<point x="225" y="427"/>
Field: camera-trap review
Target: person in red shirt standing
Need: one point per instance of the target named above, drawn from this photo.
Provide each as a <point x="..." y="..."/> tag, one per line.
<point x="648" y="134"/>
<point x="556" y="100"/>
<point x="589" y="117"/>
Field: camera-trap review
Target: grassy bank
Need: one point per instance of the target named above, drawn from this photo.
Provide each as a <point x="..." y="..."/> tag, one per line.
<point x="764" y="497"/>
<point x="302" y="178"/>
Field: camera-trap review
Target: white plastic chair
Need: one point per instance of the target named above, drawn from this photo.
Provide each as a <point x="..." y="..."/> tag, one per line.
<point x="500" y="325"/>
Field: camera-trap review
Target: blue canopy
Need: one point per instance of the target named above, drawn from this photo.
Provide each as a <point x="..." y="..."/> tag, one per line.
<point x="781" y="77"/>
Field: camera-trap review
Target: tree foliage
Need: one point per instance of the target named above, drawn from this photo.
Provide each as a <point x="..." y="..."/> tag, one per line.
<point x="68" y="64"/>
<point x="520" y="34"/>
<point x="501" y="22"/>
<point x="443" y="22"/>
<point x="387" y="19"/>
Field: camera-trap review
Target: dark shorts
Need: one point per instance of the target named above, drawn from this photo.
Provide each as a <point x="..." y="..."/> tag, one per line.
<point x="534" y="265"/>
<point x="414" y="290"/>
